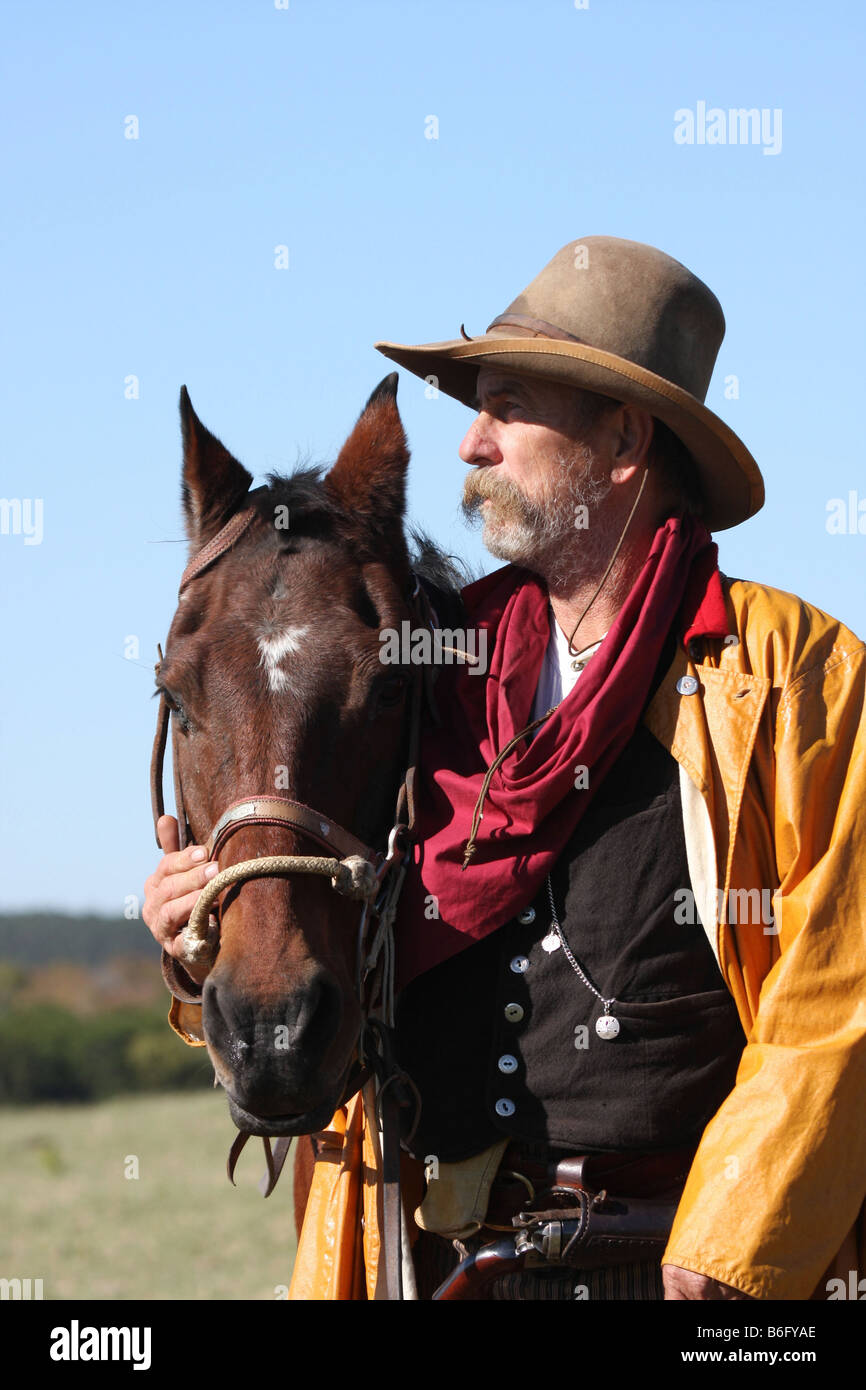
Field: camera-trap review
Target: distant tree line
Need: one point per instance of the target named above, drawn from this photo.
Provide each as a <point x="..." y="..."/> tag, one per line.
<point x="83" y="1012"/>
<point x="51" y="1054"/>
<point x="33" y="938"/>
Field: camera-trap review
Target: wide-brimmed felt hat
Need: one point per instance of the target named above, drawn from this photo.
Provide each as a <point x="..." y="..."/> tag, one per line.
<point x="624" y="320"/>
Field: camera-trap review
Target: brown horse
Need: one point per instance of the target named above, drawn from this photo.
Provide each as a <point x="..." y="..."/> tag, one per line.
<point x="274" y="675"/>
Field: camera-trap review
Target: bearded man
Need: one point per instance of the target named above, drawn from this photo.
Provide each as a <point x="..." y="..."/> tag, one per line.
<point x="630" y="948"/>
<point x="567" y="1001"/>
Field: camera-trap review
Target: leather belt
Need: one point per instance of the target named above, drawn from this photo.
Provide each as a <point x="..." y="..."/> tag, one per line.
<point x="526" y="1174"/>
<point x="579" y="1211"/>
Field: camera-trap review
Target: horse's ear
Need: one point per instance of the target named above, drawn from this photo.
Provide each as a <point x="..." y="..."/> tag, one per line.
<point x="368" y="480"/>
<point x="213" y="482"/>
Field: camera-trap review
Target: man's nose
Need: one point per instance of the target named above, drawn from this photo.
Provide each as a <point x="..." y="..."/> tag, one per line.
<point x="478" y="445"/>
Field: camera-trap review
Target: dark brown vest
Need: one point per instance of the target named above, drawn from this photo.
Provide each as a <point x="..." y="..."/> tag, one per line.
<point x="501" y="1039"/>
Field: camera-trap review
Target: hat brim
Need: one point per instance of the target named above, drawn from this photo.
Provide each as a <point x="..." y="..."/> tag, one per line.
<point x="731" y="481"/>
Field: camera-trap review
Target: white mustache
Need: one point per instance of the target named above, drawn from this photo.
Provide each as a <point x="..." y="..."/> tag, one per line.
<point x="480" y="487"/>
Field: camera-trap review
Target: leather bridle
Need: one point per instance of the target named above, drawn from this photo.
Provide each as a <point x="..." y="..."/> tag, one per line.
<point x="355" y="870"/>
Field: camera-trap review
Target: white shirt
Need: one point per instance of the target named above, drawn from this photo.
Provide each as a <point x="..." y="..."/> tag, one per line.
<point x="560" y="670"/>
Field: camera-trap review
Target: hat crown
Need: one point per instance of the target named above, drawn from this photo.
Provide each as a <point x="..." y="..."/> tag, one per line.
<point x="628" y="299"/>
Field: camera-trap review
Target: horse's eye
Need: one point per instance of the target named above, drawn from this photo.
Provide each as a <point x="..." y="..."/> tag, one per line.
<point x="182" y="718"/>
<point x="391" y="692"/>
<point x="176" y="708"/>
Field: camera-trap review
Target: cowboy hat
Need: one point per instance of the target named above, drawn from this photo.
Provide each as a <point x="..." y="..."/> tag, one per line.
<point x="624" y="320"/>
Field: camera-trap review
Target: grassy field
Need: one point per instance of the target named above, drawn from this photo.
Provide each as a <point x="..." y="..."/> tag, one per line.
<point x="70" y="1216"/>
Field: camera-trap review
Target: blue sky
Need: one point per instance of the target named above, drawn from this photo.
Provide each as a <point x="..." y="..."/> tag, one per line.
<point x="305" y="127"/>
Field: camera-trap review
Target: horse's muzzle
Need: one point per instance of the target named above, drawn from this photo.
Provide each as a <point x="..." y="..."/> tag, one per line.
<point x="278" y="1126"/>
<point x="281" y="1061"/>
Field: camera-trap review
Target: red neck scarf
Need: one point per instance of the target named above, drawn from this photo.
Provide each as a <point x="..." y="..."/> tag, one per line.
<point x="533" y="807"/>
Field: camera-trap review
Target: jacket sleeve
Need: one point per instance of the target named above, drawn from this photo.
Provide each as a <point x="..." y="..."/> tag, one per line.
<point x="780" y="1174"/>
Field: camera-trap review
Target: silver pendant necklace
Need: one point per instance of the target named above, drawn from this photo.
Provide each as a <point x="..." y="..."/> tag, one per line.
<point x="607" y="1026"/>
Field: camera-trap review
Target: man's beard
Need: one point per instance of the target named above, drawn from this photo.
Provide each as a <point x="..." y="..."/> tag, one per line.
<point x="555" y="535"/>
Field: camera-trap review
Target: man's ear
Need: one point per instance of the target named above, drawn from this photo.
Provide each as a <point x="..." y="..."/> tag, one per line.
<point x="368" y="480"/>
<point x="212" y="482"/>
<point x="634" y="442"/>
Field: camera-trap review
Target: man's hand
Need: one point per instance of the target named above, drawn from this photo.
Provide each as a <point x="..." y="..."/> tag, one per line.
<point x="681" y="1284"/>
<point x="171" y="892"/>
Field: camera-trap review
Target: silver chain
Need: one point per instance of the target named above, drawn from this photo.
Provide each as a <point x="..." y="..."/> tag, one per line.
<point x="605" y="1032"/>
<point x="569" y="957"/>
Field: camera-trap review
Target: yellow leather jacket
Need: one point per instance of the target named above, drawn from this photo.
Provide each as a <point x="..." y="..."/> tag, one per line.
<point x="771" y="743"/>
<point x="772" y="752"/>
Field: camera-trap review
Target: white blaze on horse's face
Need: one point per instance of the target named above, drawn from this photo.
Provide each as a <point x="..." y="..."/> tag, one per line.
<point x="274" y="649"/>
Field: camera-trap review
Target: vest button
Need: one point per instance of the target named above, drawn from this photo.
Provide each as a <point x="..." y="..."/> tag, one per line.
<point x="687" y="685"/>
<point x="505" y="1107"/>
<point x="513" y="1012"/>
<point x="507" y="1063"/>
<point x="526" y="917"/>
<point x="520" y="965"/>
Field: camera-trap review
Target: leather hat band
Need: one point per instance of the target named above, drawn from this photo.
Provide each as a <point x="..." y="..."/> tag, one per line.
<point x="539" y="328"/>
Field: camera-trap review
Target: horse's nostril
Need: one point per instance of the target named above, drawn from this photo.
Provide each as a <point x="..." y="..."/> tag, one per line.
<point x="319" y="1016"/>
<point x="288" y="1035"/>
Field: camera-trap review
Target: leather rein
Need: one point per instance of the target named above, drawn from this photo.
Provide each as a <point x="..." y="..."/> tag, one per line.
<point x="356" y="871"/>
